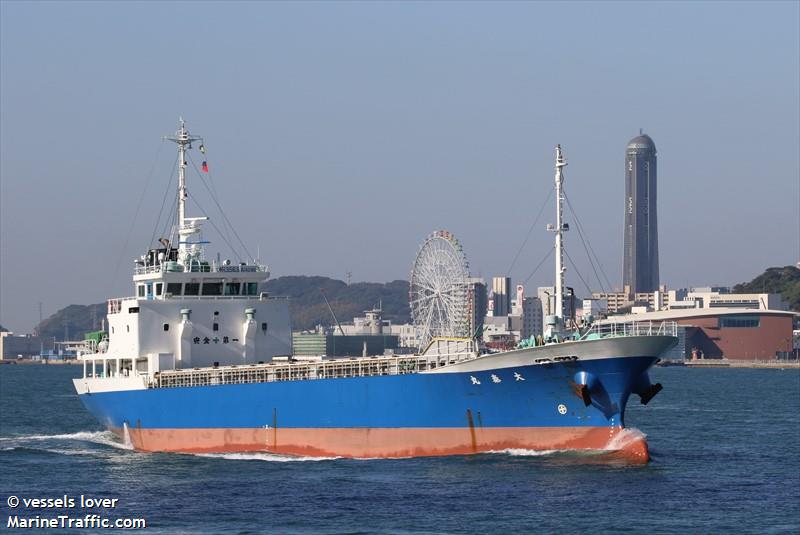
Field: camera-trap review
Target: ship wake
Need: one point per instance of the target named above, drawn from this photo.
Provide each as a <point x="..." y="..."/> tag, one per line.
<point x="626" y="438"/>
<point x="63" y="443"/>
<point x="627" y="445"/>
<point x="522" y="452"/>
<point x="270" y="457"/>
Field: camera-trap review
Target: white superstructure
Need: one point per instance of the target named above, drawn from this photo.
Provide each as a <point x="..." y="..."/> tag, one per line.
<point x="187" y="311"/>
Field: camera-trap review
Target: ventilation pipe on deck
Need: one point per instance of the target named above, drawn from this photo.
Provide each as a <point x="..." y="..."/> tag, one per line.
<point x="249" y="335"/>
<point x="185" y="330"/>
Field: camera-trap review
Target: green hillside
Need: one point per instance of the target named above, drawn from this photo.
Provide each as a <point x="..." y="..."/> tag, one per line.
<point x="72" y="322"/>
<point x="779" y="280"/>
<point x="307" y="306"/>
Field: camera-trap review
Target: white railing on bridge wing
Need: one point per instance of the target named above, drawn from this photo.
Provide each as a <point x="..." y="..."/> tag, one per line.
<point x="632" y="328"/>
<point x="146" y="270"/>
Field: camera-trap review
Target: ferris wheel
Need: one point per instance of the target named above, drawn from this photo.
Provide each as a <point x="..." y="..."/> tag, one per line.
<point x="438" y="292"/>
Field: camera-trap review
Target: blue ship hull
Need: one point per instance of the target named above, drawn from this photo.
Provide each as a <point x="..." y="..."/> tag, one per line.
<point x="532" y="406"/>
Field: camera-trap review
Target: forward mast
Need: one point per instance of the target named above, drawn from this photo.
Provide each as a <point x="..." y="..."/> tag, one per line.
<point x="556" y="323"/>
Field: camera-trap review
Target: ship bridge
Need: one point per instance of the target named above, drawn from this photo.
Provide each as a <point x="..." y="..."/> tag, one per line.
<point x="169" y="279"/>
<point x="188" y="310"/>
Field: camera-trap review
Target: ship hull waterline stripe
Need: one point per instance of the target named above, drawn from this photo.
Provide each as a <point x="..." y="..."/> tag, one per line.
<point x="390" y="442"/>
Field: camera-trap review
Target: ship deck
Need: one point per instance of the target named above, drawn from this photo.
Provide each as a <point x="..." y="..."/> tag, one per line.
<point x="443" y="357"/>
<point x="306" y="370"/>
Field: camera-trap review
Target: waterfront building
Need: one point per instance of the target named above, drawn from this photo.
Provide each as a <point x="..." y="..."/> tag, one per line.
<point x="726" y="333"/>
<point x="721" y="297"/>
<point x="502" y="332"/>
<point x="685" y="298"/>
<point x="477" y="302"/>
<point x="369" y="332"/>
<point x="640" y="256"/>
<point x="532" y="319"/>
<point x="617" y="302"/>
<point x="337" y="345"/>
<point x="370" y="323"/>
<point x="407" y="335"/>
<point x="516" y="303"/>
<point x="501" y="296"/>
<point x="14" y="346"/>
<point x="597" y="308"/>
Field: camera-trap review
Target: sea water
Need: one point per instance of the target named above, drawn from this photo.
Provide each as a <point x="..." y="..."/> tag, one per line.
<point x="724" y="445"/>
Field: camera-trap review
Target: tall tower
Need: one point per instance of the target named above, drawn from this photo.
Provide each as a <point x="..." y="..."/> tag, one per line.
<point x="501" y="290"/>
<point x="640" y="262"/>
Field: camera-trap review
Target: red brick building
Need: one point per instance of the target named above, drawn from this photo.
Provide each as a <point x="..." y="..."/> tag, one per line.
<point x="730" y="333"/>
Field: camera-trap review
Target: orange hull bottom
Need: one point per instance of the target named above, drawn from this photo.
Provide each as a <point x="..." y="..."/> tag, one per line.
<point x="620" y="444"/>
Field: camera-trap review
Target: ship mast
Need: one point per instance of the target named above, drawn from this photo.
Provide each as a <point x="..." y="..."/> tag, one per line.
<point x="560" y="228"/>
<point x="556" y="319"/>
<point x="186" y="227"/>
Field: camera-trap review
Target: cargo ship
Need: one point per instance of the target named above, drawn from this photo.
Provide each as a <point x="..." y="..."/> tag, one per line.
<point x="199" y="360"/>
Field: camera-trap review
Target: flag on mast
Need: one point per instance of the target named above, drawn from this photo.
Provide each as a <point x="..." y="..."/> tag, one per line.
<point x="204" y="167"/>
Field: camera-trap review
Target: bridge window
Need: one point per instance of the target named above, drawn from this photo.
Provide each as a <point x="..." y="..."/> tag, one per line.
<point x="212" y="288"/>
<point x="191" y="288"/>
<point x="174" y="288"/>
<point x="141" y="290"/>
<point x="252" y="288"/>
<point x="159" y="287"/>
<point x="232" y="288"/>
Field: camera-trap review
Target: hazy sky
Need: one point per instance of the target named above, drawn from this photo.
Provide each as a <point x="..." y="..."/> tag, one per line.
<point x="340" y="135"/>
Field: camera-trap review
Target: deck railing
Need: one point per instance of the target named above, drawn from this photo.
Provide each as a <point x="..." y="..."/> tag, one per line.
<point x="631" y="328"/>
<point x="300" y="371"/>
<point x="146" y="270"/>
